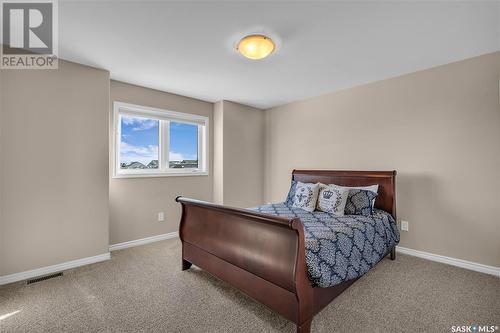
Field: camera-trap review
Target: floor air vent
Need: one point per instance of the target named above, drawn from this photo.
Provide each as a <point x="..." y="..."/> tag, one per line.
<point x="46" y="277"/>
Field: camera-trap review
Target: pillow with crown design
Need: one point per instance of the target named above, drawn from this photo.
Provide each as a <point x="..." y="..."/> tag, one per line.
<point x="332" y="199"/>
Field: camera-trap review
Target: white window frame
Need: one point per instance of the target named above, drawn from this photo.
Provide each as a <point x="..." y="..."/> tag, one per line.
<point x="165" y="117"/>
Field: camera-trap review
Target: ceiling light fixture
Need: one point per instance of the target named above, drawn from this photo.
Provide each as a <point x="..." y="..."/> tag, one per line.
<point x="256" y="47"/>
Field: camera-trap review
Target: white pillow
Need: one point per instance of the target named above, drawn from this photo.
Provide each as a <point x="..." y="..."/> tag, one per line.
<point x="373" y="188"/>
<point x="332" y="199"/>
<point x="306" y="195"/>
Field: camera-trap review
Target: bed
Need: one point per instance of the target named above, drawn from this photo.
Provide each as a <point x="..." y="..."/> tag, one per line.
<point x="266" y="252"/>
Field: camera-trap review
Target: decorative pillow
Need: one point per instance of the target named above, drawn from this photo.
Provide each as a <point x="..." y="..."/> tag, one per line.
<point x="332" y="199"/>
<point x="360" y="202"/>
<point x="373" y="188"/>
<point x="291" y="193"/>
<point x="306" y="195"/>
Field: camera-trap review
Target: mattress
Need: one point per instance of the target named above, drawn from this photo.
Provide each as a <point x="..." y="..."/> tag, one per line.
<point x="340" y="248"/>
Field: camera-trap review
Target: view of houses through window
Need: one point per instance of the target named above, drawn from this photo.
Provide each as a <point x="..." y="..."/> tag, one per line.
<point x="183" y="146"/>
<point x="139" y="143"/>
<point x="146" y="144"/>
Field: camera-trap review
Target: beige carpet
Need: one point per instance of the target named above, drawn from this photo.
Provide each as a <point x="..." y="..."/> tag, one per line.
<point x="143" y="290"/>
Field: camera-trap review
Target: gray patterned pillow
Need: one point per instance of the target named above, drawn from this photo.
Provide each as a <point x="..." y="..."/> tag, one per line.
<point x="306" y="195"/>
<point x="291" y="193"/>
<point x="360" y="202"/>
<point x="373" y="188"/>
<point x="332" y="199"/>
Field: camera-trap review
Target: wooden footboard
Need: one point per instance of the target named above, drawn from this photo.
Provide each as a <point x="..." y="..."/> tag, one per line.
<point x="261" y="255"/>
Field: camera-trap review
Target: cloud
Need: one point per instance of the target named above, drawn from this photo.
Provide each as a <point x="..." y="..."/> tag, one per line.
<point x="140" y="124"/>
<point x="144" y="154"/>
<point x="173" y="156"/>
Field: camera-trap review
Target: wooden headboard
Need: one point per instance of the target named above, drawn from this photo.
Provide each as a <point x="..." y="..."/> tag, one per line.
<point x="386" y="181"/>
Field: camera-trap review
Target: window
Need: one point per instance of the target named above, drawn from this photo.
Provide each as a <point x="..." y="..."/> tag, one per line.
<point x="153" y="142"/>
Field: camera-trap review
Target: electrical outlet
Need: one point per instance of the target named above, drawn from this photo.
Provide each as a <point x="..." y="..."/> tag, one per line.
<point x="161" y="217"/>
<point x="404" y="225"/>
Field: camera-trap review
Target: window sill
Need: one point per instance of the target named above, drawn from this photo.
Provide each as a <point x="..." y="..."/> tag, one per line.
<point x="162" y="174"/>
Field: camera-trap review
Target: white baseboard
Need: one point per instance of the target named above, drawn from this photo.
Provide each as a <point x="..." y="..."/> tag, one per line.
<point x="473" y="266"/>
<point x="492" y="270"/>
<point x="81" y="262"/>
<point x="143" y="241"/>
<point x="53" y="269"/>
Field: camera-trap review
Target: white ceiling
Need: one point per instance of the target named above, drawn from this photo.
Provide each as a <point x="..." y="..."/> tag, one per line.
<point x="188" y="48"/>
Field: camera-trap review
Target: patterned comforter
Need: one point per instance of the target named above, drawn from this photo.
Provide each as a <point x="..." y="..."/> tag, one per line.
<point x="340" y="248"/>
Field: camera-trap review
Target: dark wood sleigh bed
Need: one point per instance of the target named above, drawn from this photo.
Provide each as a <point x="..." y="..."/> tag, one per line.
<point x="264" y="255"/>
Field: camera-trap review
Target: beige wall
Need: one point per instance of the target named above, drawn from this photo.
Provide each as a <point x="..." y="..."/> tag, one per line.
<point x="218" y="128"/>
<point x="54" y="166"/>
<point x="136" y="202"/>
<point x="440" y="128"/>
<point x="1" y="220"/>
<point x="239" y="147"/>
